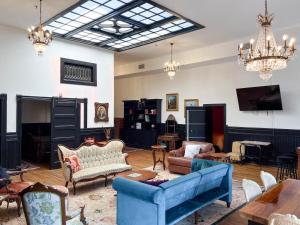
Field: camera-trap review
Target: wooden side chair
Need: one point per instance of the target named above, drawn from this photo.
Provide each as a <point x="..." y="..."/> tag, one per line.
<point x="251" y="189"/>
<point x="46" y="205"/>
<point x="268" y="180"/>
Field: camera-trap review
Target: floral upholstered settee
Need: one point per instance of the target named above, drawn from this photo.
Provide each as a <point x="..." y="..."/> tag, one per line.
<point x="95" y="162"/>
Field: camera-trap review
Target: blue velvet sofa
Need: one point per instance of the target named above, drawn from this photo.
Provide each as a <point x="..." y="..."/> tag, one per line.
<point x="172" y="201"/>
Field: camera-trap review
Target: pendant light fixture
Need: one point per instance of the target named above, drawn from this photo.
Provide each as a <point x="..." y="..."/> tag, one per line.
<point x="264" y="55"/>
<point x="39" y="36"/>
<point x="171" y="67"/>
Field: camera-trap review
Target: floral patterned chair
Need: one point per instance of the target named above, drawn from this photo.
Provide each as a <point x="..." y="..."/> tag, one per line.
<point x="46" y="205"/>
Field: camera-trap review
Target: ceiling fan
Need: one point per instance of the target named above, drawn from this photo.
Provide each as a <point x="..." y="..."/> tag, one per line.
<point x="116" y="27"/>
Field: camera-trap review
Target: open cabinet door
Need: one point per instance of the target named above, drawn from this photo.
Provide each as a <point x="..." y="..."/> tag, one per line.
<point x="3" y="157"/>
<point x="196" y="123"/>
<point x="65" y="126"/>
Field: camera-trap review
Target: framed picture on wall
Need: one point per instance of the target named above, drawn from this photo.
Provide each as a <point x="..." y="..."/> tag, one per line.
<point x="172" y="102"/>
<point x="189" y="103"/>
<point x="101" y="112"/>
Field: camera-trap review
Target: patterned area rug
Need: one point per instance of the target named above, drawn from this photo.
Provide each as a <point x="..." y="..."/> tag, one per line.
<point x="100" y="204"/>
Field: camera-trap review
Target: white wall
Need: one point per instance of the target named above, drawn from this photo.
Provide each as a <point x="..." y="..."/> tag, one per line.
<point x="36" y="112"/>
<point x="217" y="83"/>
<point x="23" y="72"/>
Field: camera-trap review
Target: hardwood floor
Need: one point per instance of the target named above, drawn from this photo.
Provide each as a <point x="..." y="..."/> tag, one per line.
<point x="142" y="159"/>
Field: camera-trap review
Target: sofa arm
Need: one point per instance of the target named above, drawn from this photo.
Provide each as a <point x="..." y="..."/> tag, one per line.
<point x="125" y="157"/>
<point x="67" y="170"/>
<point x="138" y="190"/>
<point x="177" y="153"/>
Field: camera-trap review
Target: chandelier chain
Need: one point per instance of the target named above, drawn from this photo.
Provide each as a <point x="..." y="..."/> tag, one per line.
<point x="40" y="12"/>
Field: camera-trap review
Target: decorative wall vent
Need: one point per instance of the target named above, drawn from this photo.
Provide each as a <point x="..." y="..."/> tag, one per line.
<point x="78" y="72"/>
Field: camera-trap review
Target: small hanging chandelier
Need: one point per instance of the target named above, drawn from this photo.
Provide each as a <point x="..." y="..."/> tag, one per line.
<point x="266" y="56"/>
<point x="39" y="36"/>
<point x="171" y="67"/>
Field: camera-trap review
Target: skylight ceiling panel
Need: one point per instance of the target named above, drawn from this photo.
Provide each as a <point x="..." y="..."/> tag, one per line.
<point x="87" y="20"/>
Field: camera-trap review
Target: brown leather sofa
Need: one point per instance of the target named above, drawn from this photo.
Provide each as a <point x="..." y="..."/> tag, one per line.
<point x="182" y="165"/>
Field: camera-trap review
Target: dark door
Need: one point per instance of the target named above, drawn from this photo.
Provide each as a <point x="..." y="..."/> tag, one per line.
<point x="3" y="158"/>
<point x="65" y="126"/>
<point x="196" y="124"/>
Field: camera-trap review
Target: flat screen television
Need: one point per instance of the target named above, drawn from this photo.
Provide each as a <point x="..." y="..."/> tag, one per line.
<point x="259" y="98"/>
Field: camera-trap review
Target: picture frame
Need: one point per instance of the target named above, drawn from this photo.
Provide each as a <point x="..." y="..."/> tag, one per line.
<point x="172" y="102"/>
<point x="190" y="103"/>
<point x="101" y="112"/>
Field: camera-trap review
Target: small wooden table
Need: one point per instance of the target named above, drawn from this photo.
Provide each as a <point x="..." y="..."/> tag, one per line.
<point x="157" y="148"/>
<point x="257" y="144"/>
<point x="21" y="172"/>
<point x="220" y="157"/>
<point x="138" y="175"/>
<point x="283" y="199"/>
<point x="171" y="139"/>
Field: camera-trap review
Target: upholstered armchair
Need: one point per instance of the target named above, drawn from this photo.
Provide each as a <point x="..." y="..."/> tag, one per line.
<point x="46" y="205"/>
<point x="182" y="165"/>
<point x="12" y="189"/>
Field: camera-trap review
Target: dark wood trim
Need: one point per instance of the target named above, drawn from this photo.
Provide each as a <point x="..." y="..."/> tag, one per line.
<point x="63" y="80"/>
<point x="12" y="149"/>
<point x="283" y="140"/>
<point x="85" y="112"/>
<point x="3" y="109"/>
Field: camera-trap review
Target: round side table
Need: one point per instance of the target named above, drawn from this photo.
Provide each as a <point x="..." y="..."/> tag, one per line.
<point x="158" y="148"/>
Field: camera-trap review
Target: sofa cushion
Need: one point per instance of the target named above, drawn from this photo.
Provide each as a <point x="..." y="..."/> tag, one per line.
<point x="92" y="172"/>
<point x="180" y="161"/>
<point x="180" y="189"/>
<point x="191" y="151"/>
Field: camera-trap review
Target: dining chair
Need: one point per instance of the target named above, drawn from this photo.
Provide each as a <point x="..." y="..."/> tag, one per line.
<point x="267" y="179"/>
<point x="279" y="219"/>
<point x="251" y="189"/>
<point x="46" y="205"/>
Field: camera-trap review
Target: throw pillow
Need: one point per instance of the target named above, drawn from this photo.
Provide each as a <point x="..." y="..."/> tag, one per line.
<point x="155" y="183"/>
<point x="74" y="162"/>
<point x="191" y="151"/>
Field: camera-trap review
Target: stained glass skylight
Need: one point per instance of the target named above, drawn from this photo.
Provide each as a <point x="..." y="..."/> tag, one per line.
<point x="119" y="24"/>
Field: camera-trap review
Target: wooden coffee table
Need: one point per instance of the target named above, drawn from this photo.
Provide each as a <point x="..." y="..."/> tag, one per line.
<point x="138" y="175"/>
<point x="220" y="157"/>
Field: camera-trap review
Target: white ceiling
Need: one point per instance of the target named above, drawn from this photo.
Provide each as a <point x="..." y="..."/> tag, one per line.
<point x="224" y="20"/>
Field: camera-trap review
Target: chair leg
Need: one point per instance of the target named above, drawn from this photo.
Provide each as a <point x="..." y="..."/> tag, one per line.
<point x="66" y="185"/>
<point x="105" y="184"/>
<point x="18" y="201"/>
<point x="74" y="188"/>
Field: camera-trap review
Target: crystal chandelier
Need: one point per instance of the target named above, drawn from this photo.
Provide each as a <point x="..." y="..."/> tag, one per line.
<point x="39" y="36"/>
<point x="171" y="67"/>
<point x="266" y="56"/>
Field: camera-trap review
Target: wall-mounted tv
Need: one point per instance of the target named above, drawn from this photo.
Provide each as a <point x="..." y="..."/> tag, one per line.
<point x="259" y="98"/>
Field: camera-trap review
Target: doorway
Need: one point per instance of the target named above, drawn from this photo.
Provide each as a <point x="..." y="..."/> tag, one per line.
<point x="36" y="131"/>
<point x="215" y="124"/>
<point x="45" y="122"/>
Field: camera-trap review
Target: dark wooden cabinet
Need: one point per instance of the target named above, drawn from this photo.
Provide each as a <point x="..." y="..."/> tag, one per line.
<point x="142" y="121"/>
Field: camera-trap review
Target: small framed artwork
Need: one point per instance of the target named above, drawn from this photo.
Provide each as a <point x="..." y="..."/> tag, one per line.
<point x="189" y="103"/>
<point x="101" y="112"/>
<point x="172" y="102"/>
